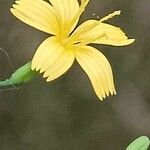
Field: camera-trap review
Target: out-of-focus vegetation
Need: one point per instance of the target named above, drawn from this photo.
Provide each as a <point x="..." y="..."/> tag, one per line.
<point x="65" y="114"/>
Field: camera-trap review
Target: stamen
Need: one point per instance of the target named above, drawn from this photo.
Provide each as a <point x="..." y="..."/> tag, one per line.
<point x="115" y="13"/>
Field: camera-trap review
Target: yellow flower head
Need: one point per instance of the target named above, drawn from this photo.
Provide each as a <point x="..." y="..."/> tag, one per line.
<point x="58" y="52"/>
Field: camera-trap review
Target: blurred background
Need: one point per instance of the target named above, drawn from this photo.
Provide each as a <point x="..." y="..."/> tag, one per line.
<point x="66" y="114"/>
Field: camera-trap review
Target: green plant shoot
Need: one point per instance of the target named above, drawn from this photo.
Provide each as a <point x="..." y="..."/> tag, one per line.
<point x="20" y="76"/>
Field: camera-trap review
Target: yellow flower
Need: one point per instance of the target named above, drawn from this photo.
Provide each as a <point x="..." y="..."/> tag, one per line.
<point x="58" y="52"/>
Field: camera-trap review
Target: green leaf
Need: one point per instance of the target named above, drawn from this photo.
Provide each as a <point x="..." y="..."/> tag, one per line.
<point x="141" y="143"/>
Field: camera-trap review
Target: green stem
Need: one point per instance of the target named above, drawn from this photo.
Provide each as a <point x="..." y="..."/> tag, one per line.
<point x="5" y="83"/>
<point x="22" y="75"/>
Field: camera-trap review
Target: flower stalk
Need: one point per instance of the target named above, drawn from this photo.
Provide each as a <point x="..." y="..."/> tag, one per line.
<point x="22" y="75"/>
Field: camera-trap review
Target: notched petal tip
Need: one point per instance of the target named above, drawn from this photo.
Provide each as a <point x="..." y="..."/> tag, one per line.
<point x="98" y="69"/>
<point x="42" y="70"/>
<point x="45" y="75"/>
<point x="48" y="80"/>
<point x="115" y="93"/>
<point x="12" y="10"/>
<point x="14" y="6"/>
<point x="112" y="93"/>
<point x="101" y="98"/>
<point x="33" y="67"/>
<point x="37" y="68"/>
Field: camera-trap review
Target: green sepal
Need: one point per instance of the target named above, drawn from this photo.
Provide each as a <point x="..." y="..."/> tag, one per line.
<point x="141" y="143"/>
<point x="22" y="75"/>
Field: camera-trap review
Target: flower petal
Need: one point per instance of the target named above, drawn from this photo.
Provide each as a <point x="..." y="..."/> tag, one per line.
<point x="52" y="58"/>
<point x="65" y="11"/>
<point x="38" y="14"/>
<point x="92" y="31"/>
<point x="98" y="69"/>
